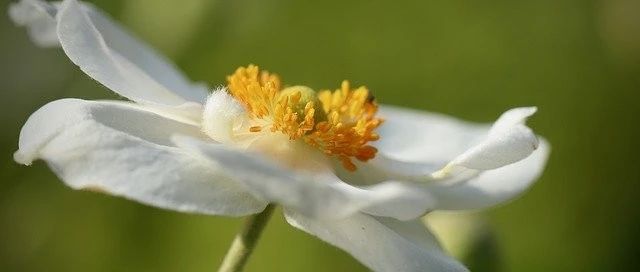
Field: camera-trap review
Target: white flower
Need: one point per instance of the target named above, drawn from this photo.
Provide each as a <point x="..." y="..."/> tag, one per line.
<point x="177" y="147"/>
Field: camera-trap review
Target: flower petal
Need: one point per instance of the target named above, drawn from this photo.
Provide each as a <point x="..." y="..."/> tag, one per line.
<point x="382" y="244"/>
<point x="125" y="150"/>
<point x="435" y="139"/>
<point x="484" y="165"/>
<point x="107" y="52"/>
<point x="508" y="141"/>
<point x="491" y="187"/>
<point x="314" y="193"/>
<point x="423" y="137"/>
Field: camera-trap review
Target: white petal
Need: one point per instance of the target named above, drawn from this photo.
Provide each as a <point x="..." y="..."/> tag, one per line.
<point x="508" y="141"/>
<point x="381" y="244"/>
<point x="471" y="189"/>
<point x="480" y="169"/>
<point x="107" y="52"/>
<point x="318" y="194"/>
<point x="491" y="187"/>
<point x="423" y="137"/>
<point x="122" y="149"/>
<point x="383" y="168"/>
<point x="428" y="139"/>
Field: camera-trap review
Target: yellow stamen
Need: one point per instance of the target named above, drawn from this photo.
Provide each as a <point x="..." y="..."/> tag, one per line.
<point x="256" y="90"/>
<point x="339" y="123"/>
<point x="349" y="127"/>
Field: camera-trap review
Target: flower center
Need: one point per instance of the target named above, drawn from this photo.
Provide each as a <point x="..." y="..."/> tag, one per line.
<point x="339" y="123"/>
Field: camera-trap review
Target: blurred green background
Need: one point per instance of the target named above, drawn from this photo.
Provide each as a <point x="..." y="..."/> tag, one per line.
<point x="577" y="60"/>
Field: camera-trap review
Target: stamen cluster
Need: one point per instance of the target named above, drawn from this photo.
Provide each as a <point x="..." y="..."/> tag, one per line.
<point x="342" y="126"/>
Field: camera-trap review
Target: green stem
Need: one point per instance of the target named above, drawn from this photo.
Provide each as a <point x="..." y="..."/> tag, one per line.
<point x="245" y="241"/>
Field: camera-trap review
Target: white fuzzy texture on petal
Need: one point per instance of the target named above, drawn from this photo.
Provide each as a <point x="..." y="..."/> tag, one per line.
<point x="221" y="114"/>
<point x="316" y="193"/>
<point x="106" y="52"/>
<point x="122" y="149"/>
<point x="382" y="244"/>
